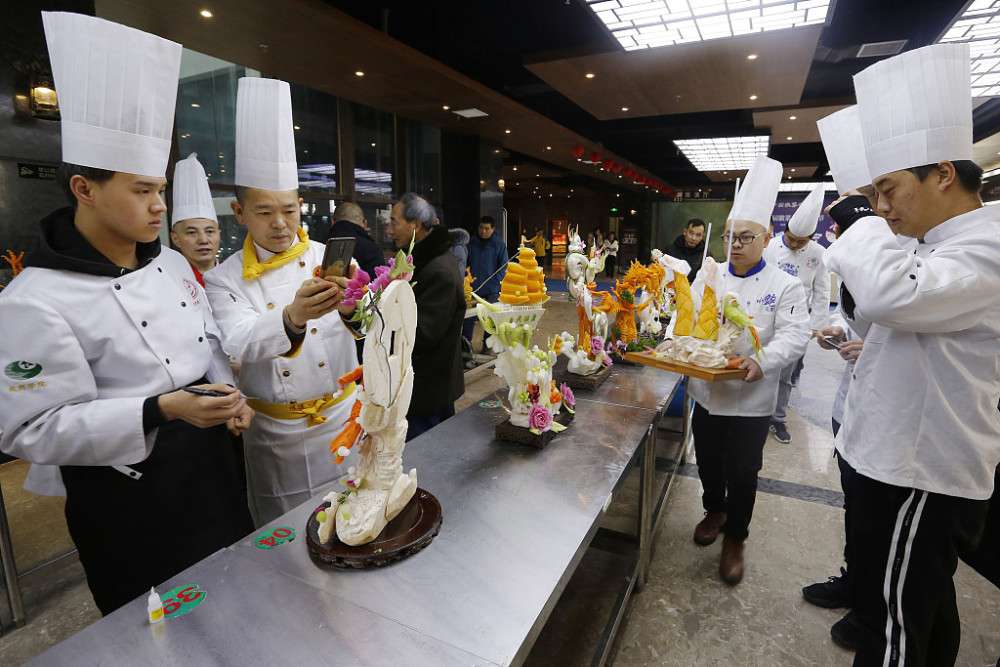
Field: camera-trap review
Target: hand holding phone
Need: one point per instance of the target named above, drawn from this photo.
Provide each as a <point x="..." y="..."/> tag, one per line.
<point x="833" y="342"/>
<point x="337" y="258"/>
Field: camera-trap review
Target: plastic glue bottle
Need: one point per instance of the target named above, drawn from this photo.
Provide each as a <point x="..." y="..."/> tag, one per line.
<point x="154" y="606"/>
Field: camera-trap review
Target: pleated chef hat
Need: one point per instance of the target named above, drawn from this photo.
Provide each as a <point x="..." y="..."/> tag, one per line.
<point x="916" y="108"/>
<point x="755" y="200"/>
<point x="265" y="135"/>
<point x="192" y="196"/>
<point x="803" y="221"/>
<point x="117" y="90"/>
<point x="845" y="149"/>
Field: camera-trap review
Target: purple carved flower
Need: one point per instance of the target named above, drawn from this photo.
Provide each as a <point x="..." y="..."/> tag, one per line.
<point x="567" y="395"/>
<point x="539" y="418"/>
<point x="596" y="346"/>
<point x="607" y="361"/>
<point x="356" y="287"/>
<point x="382" y="278"/>
<point x="534" y="393"/>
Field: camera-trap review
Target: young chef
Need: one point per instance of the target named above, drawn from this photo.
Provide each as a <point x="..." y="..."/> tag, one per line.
<point x="731" y="419"/>
<point x="920" y="424"/>
<point x="195" y="225"/>
<point x="795" y="253"/>
<point x="280" y="321"/>
<point x="105" y="326"/>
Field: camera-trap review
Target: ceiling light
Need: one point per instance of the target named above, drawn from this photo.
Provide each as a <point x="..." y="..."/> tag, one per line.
<point x="198" y="106"/>
<point x="373" y="144"/>
<point x="296" y="127"/>
<point x="793" y="170"/>
<point x="624" y="108"/>
<point x="548" y="148"/>
<point x="788" y="138"/>
<point x="471" y="113"/>
<point x="753" y="97"/>
<point x="728" y="153"/>
<point x="752" y="56"/>
<point x="645" y="24"/>
<point x="185" y="136"/>
<point x="805" y="186"/>
<point x="506" y="131"/>
<point x="792" y="117"/>
<point x="977" y="25"/>
<point x="359" y="73"/>
<point x="446" y="107"/>
<point x="536" y="175"/>
<point x="206" y="13"/>
<point x="590" y="75"/>
<point x="515" y="168"/>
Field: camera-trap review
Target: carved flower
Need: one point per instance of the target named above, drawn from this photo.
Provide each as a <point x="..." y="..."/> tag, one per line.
<point x="567" y="395"/>
<point x="539" y="419"/>
<point x="356" y="287"/>
<point x="534" y="393"/>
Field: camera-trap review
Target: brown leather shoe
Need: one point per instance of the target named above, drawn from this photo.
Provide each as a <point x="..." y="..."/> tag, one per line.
<point x="731" y="562"/>
<point x="707" y="530"/>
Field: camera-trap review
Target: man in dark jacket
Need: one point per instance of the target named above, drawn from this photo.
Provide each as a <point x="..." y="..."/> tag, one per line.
<point x="690" y="246"/>
<point x="487" y="260"/>
<point x="349" y="221"/>
<point x="437" y="287"/>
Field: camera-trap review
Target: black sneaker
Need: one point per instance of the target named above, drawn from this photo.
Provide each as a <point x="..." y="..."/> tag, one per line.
<point x="847" y="632"/>
<point x="830" y="594"/>
<point x="780" y="432"/>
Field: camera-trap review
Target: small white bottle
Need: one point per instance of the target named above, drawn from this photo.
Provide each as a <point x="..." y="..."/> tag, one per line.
<point x="154" y="606"/>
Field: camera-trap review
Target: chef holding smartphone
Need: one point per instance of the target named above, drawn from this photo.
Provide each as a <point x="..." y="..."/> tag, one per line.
<point x="280" y="313"/>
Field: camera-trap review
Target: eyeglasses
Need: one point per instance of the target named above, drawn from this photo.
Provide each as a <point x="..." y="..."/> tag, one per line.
<point x="744" y="239"/>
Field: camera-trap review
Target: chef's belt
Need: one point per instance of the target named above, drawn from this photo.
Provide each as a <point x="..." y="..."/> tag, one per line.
<point x="308" y="409"/>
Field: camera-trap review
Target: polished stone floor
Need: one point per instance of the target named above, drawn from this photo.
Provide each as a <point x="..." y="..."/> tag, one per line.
<point x="684" y="616"/>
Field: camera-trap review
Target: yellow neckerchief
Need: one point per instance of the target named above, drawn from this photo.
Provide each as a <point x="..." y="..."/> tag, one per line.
<point x="253" y="269"/>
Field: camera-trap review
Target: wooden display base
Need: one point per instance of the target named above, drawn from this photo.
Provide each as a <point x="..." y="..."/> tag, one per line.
<point x="507" y="431"/>
<point x="411" y="531"/>
<point x="591" y="382"/>
<point x="700" y="372"/>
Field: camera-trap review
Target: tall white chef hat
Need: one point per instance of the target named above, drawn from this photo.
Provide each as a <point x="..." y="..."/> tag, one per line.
<point x="755" y="199"/>
<point x="192" y="196"/>
<point x="916" y="108"/>
<point x="117" y="90"/>
<point x="845" y="149"/>
<point x="265" y="135"/>
<point x="803" y="221"/>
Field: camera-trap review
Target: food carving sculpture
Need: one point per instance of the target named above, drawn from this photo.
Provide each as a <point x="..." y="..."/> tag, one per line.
<point x="534" y="399"/>
<point x="581" y="271"/>
<point x="649" y="318"/>
<point x="378" y="489"/>
<point x="710" y="344"/>
<point x="621" y="302"/>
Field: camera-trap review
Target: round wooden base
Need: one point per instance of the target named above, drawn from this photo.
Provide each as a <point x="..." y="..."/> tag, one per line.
<point x="412" y="530"/>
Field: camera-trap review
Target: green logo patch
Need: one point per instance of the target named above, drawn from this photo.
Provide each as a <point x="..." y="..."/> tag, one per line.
<point x="22" y="370"/>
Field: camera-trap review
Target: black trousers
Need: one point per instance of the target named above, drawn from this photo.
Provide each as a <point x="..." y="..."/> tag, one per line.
<point x="907" y="545"/>
<point x="730" y="453"/>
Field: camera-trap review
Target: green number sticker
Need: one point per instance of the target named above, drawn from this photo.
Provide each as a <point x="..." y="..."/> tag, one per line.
<point x="274" y="537"/>
<point x="179" y="601"/>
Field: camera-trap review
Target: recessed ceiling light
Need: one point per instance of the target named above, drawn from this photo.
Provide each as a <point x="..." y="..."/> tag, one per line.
<point x="728" y="153"/>
<point x="536" y="175"/>
<point x="792" y="117"/>
<point x="793" y="169"/>
<point x="185" y="136"/>
<point x="753" y="97"/>
<point x="470" y="113"/>
<point x="515" y="168"/>
<point x="206" y="13"/>
<point x="548" y="148"/>
<point x="297" y="127"/>
<point x="446" y="107"/>
<point x="506" y="131"/>
<point x="624" y="108"/>
<point x="590" y="75"/>
<point x="359" y="73"/>
<point x="195" y="105"/>
<point x="373" y="144"/>
<point x="752" y="56"/>
<point x="645" y="24"/>
<point x="788" y="138"/>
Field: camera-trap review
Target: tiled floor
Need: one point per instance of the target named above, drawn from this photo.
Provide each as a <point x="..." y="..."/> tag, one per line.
<point x="684" y="616"/>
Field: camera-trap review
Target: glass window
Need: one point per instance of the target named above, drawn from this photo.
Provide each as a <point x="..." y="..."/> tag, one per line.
<point x="425" y="161"/>
<point x="317" y="144"/>
<point x="374" y="138"/>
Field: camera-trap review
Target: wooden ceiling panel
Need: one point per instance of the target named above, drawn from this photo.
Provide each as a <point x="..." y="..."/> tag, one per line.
<point x="688" y="78"/>
<point x="802" y="129"/>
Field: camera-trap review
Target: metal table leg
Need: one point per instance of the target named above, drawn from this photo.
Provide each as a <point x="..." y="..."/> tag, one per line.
<point x="9" y="568"/>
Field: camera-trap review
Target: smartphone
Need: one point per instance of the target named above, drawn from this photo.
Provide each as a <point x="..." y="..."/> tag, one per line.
<point x="834" y="342"/>
<point x="337" y="258"/>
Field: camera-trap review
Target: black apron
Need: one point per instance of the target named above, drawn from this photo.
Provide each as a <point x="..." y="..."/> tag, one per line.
<point x="133" y="534"/>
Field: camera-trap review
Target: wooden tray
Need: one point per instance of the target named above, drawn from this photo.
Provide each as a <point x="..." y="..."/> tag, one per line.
<point x="700" y="372"/>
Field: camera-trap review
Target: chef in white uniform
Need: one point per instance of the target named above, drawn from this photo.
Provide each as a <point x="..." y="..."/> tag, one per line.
<point x="798" y="255"/>
<point x="920" y="426"/>
<point x="104" y="326"/>
<point x="194" y="224"/>
<point x="281" y="322"/>
<point x="731" y="419"/>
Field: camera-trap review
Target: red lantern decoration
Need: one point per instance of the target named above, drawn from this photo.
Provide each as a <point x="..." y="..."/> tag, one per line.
<point x="617" y="168"/>
<point x="607" y="165"/>
<point x="577" y="151"/>
<point x="595" y="157"/>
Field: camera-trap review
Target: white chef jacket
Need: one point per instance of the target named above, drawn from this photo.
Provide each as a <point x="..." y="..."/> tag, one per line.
<point x="103" y="346"/>
<point x="287" y="461"/>
<point x="777" y="303"/>
<point x="922" y="410"/>
<point x="807" y="265"/>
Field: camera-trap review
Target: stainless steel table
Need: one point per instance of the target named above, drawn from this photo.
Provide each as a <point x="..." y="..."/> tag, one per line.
<point x="517" y="521"/>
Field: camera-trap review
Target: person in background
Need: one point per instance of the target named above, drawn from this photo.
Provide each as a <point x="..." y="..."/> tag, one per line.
<point x="437" y="351"/>
<point x="195" y="228"/>
<point x="690" y="246"/>
<point x="611" y="255"/>
<point x="921" y="427"/>
<point x="105" y="330"/>
<point x="731" y="418"/>
<point x="349" y="221"/>
<point x="541" y="245"/>
<point x="795" y="253"/>
<point x="487" y="260"/>
<point x="460" y="248"/>
<point x="285" y="324"/>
